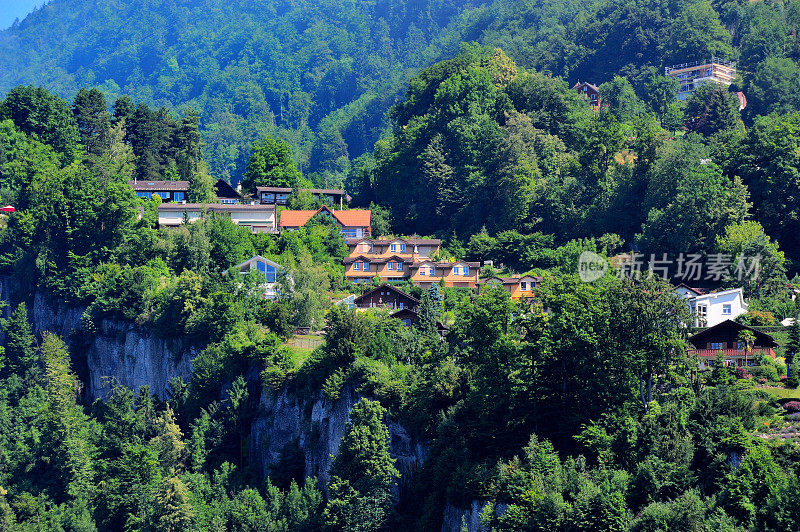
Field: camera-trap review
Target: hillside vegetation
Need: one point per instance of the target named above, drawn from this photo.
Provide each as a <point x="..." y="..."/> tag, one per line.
<point x="323" y="74"/>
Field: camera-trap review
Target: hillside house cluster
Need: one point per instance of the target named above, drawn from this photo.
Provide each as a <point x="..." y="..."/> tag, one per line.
<point x="519" y="287"/>
<point x="258" y="212"/>
<point x="400" y="259"/>
<point x="403" y="306"/>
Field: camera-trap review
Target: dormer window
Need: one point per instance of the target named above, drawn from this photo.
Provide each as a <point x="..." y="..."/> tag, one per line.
<point x="397" y="247"/>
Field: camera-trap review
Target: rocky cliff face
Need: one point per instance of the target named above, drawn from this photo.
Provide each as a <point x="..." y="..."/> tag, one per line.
<point x="118" y="352"/>
<point x="315" y="426"/>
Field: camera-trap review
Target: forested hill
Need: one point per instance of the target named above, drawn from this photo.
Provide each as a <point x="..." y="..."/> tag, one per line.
<point x="322" y="73"/>
<point x="319" y="73"/>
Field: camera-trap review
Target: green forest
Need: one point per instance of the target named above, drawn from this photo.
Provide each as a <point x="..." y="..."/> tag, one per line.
<point x="579" y="410"/>
<point x="322" y="74"/>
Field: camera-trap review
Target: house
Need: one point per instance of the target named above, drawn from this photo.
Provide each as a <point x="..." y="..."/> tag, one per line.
<point x="389" y="258"/>
<point x="226" y="193"/>
<point x="280" y="195"/>
<point x="386" y="296"/>
<point x="259" y="218"/>
<point x="589" y="92"/>
<point x="410" y="318"/>
<point x="724" y="338"/>
<point x="269" y="269"/>
<point x="169" y="191"/>
<point x="355" y="223"/>
<point x="458" y="274"/>
<point x="692" y="75"/>
<point x="712" y="308"/>
<point x="519" y="286"/>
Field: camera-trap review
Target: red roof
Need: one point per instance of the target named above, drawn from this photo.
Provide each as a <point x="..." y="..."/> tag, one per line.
<point x="296" y="218"/>
<point x="8" y="208"/>
<point x="352" y="218"/>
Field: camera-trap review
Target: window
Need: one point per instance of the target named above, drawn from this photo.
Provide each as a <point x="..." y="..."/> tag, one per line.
<point x="366" y="266"/>
<point x="178" y="196"/>
<point x="391" y="265"/>
<point x="523" y="286"/>
<point x="401" y="305"/>
<point x="717" y="345"/>
<point x="399" y="267"/>
<point x="726" y="309"/>
<point x="281" y="199"/>
<point x="739" y="345"/>
<point x="407" y="322"/>
<point x="268" y="198"/>
<point x="350" y="232"/>
<point x="228" y="201"/>
<point x="364" y="247"/>
<point x="267" y="269"/>
<point x="356" y="265"/>
<point x="143" y="195"/>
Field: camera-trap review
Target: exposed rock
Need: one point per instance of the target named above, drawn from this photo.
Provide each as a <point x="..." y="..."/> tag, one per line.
<point x="118" y="351"/>
<point x="316" y="426"/>
<point x="455" y="519"/>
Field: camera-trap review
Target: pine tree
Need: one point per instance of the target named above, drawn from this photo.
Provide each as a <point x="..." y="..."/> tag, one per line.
<point x="20" y="352"/>
<point x="173" y="510"/>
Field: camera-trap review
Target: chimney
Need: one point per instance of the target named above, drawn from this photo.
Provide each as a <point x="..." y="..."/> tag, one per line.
<point x="239" y="187"/>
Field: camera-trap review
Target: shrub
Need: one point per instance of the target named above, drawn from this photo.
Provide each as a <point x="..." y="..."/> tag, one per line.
<point x="741" y="373"/>
<point x="792" y="406"/>
<point x="762" y="380"/>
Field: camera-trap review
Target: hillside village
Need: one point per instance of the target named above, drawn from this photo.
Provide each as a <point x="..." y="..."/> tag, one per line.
<point x="482" y="266"/>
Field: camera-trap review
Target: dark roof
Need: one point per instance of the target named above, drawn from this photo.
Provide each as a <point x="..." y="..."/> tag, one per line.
<point x="225" y="190"/>
<point x="173" y="186"/>
<point x="581" y="84"/>
<point x="383" y="287"/>
<point x="696" y="290"/>
<point x="216" y="207"/>
<point x="446" y="264"/>
<point x="331" y="191"/>
<point x="385" y="241"/>
<point x="512" y="280"/>
<point x="730" y="328"/>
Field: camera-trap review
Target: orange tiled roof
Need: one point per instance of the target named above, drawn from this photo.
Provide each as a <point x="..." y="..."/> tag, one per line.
<point x="354" y="218"/>
<point x="296" y="218"/>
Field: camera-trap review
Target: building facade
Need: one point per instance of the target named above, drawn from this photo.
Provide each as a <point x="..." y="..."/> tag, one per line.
<point x="386" y="296"/>
<point x="258" y="218"/>
<point x="724" y="338"/>
<point x="280" y="195"/>
<point x="519" y="287"/>
<point x="168" y="191"/>
<point x="692" y="75"/>
<point x="589" y="92"/>
<point x="267" y="269"/>
<point x="710" y="309"/>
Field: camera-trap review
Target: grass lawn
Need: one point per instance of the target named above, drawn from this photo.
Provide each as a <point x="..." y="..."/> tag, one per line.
<point x="301" y="346"/>
<point x="783" y="393"/>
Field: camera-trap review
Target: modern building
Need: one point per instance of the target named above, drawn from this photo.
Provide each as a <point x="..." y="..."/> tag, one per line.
<point x="280" y="195"/>
<point x="712" y="308"/>
<point x="519" y="286"/>
<point x="692" y="75"/>
<point x="169" y="191"/>
<point x="355" y="223"/>
<point x="724" y="338"/>
<point x="259" y="218"/>
<point x="589" y="92"/>
<point x="262" y="266"/>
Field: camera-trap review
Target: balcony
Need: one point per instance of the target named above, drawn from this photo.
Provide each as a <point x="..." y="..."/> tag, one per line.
<point x="732" y="353"/>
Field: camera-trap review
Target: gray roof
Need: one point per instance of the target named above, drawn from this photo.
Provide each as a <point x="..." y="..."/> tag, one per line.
<point x="154" y="186"/>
